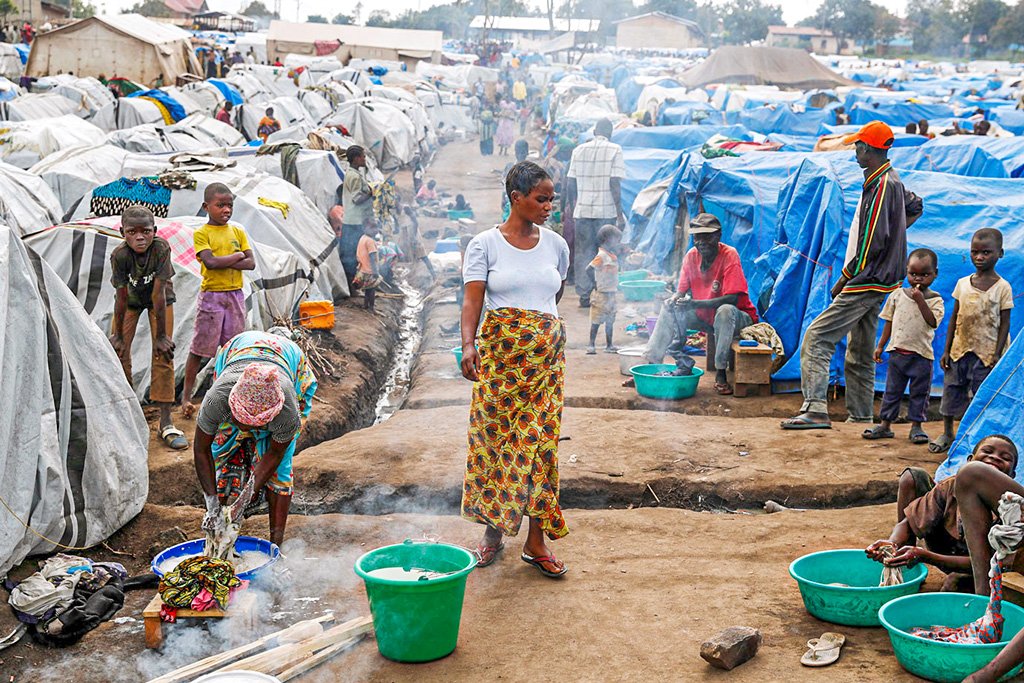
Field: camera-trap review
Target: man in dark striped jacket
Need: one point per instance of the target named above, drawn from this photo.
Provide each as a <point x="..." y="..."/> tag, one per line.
<point x="875" y="266"/>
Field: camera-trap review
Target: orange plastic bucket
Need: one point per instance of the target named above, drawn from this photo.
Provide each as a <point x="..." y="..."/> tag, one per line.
<point x="316" y="315"/>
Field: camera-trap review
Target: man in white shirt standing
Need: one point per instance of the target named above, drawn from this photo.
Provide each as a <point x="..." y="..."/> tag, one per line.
<point x="595" y="177"/>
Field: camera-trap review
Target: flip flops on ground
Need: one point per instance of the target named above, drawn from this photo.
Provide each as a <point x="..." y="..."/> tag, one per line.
<point x="723" y="389"/>
<point x="487" y="554"/>
<point x="877" y="432"/>
<point x="941" y="444"/>
<point x="917" y="436"/>
<point x="806" y="421"/>
<point x="824" y="650"/>
<point x="174" y="438"/>
<point x="541" y="560"/>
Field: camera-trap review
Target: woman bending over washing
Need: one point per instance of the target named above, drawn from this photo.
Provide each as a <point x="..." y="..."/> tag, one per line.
<point x="516" y="272"/>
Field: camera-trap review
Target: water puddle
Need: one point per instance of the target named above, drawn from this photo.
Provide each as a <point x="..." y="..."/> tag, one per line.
<point x="410" y="334"/>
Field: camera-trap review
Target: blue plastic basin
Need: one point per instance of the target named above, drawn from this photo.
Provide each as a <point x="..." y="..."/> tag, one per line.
<point x="858" y="603"/>
<point x="243" y="544"/>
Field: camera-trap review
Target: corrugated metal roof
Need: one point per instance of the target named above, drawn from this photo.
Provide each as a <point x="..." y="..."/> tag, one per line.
<point x="364" y="36"/>
<point x="535" y="24"/>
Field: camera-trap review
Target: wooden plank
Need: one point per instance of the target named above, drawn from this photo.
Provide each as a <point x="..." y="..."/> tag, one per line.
<point x="318" y="659"/>
<point x="280" y="658"/>
<point x="294" y="633"/>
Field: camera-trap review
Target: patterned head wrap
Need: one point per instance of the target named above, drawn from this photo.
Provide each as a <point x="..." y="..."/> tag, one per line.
<point x="256" y="398"/>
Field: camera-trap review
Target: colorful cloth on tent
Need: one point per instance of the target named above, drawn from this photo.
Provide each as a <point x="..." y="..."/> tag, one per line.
<point x="177" y="180"/>
<point x="514" y="423"/>
<point x="326" y="47"/>
<point x="161" y="107"/>
<point x="235" y="452"/>
<point x="384" y="202"/>
<point x="1004" y="537"/>
<point x="169" y="107"/>
<point x="721" y="146"/>
<point x="184" y="583"/>
<point x="113" y="198"/>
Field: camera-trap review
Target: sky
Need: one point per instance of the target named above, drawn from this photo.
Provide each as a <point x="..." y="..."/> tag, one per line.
<point x="297" y="10"/>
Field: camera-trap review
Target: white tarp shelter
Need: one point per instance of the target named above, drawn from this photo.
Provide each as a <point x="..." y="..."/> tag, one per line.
<point x="382" y="128"/>
<point x="128" y="45"/>
<point x="25" y="143"/>
<point x="361" y="42"/>
<point x="74" y="172"/>
<point x="74" y="465"/>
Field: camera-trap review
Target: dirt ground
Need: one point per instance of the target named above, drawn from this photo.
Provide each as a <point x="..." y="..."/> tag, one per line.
<point x="648" y="581"/>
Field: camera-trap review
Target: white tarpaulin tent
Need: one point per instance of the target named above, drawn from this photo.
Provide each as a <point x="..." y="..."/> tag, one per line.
<point x="382" y="128"/>
<point x="37" y="106"/>
<point x="287" y="110"/>
<point x="74" y="465"/>
<point x="25" y="143"/>
<point x="80" y="254"/>
<point x="89" y="94"/>
<point x="192" y="134"/>
<point x="74" y="172"/>
<point x="27" y="204"/>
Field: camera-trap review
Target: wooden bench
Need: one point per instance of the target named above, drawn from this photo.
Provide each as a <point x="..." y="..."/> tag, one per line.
<point x="242" y="607"/>
<point x="752" y="374"/>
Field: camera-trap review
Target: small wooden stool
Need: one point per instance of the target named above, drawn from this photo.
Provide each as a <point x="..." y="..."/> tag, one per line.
<point x="242" y="607"/>
<point x="753" y="370"/>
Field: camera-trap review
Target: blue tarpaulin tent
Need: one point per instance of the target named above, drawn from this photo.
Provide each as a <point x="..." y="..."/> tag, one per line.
<point x="227" y="90"/>
<point x="782" y="119"/>
<point x="995" y="409"/>
<point x="641" y="164"/>
<point x="674" y="137"/>
<point x="969" y="155"/>
<point x="172" y="105"/>
<point x="897" y="114"/>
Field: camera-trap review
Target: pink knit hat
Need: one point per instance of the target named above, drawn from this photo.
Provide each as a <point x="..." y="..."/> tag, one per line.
<point x="256" y="398"/>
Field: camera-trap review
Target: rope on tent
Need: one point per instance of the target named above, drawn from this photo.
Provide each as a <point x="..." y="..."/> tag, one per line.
<point x="48" y="540"/>
<point x="800" y="253"/>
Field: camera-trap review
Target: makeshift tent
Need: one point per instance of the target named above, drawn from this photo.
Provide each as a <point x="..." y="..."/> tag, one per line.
<point x="970" y="155"/>
<point x="784" y="67"/>
<point x="74" y="465"/>
<point x="170" y="109"/>
<point x="88" y="93"/>
<point x="279" y="81"/>
<point x="317" y="173"/>
<point x="346" y="42"/>
<point x="28" y="204"/>
<point x="10" y="62"/>
<point x="382" y="128"/>
<point x="126" y="113"/>
<point x="37" y="106"/>
<point x="73" y="172"/>
<point x="80" y="254"/>
<point x="674" y="137"/>
<point x="994" y="410"/>
<point x="193" y="133"/>
<point x="287" y="110"/>
<point x="25" y="143"/>
<point x="128" y="45"/>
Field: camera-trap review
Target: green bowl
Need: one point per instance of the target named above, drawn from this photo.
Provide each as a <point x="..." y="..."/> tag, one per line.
<point x="633" y="275"/>
<point x="650" y="385"/>
<point x="934" y="660"/>
<point x="641" y="290"/>
<point x="857" y="603"/>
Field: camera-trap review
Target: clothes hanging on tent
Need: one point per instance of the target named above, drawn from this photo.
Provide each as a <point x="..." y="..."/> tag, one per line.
<point x="113" y="198"/>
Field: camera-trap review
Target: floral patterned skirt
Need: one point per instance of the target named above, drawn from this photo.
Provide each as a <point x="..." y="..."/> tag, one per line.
<point x="514" y="422"/>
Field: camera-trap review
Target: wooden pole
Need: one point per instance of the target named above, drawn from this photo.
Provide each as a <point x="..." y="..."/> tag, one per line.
<point x="284" y="657"/>
<point x="318" y="659"/>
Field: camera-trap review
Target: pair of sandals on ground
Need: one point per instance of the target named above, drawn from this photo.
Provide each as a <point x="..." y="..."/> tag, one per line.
<point x="917" y="435"/>
<point x="545" y="564"/>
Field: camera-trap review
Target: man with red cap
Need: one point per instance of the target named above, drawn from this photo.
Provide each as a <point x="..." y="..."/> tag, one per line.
<point x="876" y="263"/>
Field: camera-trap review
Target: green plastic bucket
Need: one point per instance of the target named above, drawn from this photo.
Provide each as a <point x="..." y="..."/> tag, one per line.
<point x="934" y="660"/>
<point x="416" y="621"/>
<point x="856" y="603"/>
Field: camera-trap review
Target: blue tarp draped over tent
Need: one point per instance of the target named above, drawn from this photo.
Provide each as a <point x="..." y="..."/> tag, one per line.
<point x="684" y="113"/>
<point x="995" y="409"/>
<point x="675" y="137"/>
<point x="789" y="216"/>
<point x="174" y="107"/>
<point x="794" y="143"/>
<point x="898" y="114"/>
<point x="641" y="165"/>
<point x="969" y="155"/>
<point x="227" y="90"/>
<point x="782" y="119"/>
<point x="1009" y="118"/>
<point x="901" y="139"/>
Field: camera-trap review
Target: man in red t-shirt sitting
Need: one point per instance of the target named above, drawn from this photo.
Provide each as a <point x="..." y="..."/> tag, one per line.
<point x="712" y="296"/>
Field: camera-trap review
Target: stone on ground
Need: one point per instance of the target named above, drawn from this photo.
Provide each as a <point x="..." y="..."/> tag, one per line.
<point x="731" y="647"/>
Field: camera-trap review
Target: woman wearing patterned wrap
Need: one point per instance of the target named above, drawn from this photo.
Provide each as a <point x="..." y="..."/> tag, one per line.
<point x="249" y="424"/>
<point x="518" y="270"/>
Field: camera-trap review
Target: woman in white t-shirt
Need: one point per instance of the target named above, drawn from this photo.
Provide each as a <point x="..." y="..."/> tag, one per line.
<point x="516" y="272"/>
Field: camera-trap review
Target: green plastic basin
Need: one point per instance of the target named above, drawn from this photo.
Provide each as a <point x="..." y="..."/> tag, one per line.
<point x="633" y="275"/>
<point x="416" y="621"/>
<point x="857" y="604"/>
<point x="944" y="662"/>
<point x="641" y="290"/>
<point x="457" y="352"/>
<point x="649" y="385"/>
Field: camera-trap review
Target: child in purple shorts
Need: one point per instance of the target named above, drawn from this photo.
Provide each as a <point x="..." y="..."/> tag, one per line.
<point x="223" y="251"/>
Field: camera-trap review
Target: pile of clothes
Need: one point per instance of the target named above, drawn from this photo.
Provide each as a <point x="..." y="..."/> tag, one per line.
<point x="200" y="583"/>
<point x="68" y="597"/>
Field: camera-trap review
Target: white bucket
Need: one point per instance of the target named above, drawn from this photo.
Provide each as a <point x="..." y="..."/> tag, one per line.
<point x="630" y="357"/>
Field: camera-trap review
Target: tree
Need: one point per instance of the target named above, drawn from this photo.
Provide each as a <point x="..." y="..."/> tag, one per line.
<point x="6" y="7"/>
<point x="848" y="19"/>
<point x="316" y="19"/>
<point x="744" y="21"/>
<point x="887" y="25"/>
<point x="980" y="17"/>
<point x="1009" y="30"/>
<point x="709" y="18"/>
<point x="150" y="8"/>
<point x="357" y="12"/>
<point x="378" y="17"/>
<point x="256" y="8"/>
<point x="80" y="9"/>
<point x="935" y="27"/>
<point x="342" y="19"/>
